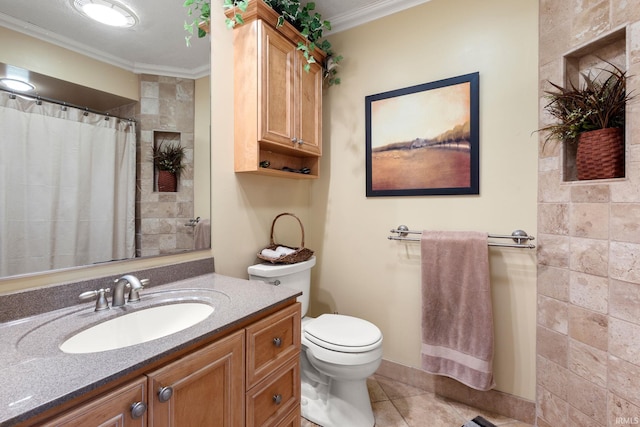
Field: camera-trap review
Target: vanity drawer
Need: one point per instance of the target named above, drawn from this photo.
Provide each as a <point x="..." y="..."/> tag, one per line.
<point x="271" y="402"/>
<point x="291" y="420"/>
<point x="271" y="341"/>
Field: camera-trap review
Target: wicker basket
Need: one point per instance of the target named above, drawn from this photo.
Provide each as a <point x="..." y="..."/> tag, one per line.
<point x="600" y="154"/>
<point x="300" y="254"/>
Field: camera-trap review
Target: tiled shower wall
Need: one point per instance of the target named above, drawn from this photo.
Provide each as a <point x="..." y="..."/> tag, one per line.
<point x="588" y="332"/>
<point x="166" y="105"/>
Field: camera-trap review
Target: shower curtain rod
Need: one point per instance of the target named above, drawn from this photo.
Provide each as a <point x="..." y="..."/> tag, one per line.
<point x="64" y="104"/>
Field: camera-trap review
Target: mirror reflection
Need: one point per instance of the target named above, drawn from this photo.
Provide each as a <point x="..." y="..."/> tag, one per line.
<point x="80" y="187"/>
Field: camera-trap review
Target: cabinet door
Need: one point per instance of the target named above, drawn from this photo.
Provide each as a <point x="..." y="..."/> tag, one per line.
<point x="204" y="388"/>
<point x="114" y="409"/>
<point x="276" y="80"/>
<point x="309" y="107"/>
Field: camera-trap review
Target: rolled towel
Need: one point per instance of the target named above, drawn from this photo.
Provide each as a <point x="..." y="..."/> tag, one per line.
<point x="270" y="253"/>
<point x="283" y="250"/>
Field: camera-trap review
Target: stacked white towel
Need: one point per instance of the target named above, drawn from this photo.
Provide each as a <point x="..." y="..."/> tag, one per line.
<point x="283" y="250"/>
<point x="270" y="253"/>
<point x="278" y="252"/>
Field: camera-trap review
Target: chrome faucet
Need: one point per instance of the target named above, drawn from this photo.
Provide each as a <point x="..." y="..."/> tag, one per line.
<point x="121" y="284"/>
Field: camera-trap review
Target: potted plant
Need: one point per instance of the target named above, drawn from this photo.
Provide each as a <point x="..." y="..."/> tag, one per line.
<point x="303" y="18"/>
<point x="168" y="160"/>
<point x="592" y="115"/>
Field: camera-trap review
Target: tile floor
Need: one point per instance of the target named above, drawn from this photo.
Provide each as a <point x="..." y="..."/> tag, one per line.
<point x="399" y="405"/>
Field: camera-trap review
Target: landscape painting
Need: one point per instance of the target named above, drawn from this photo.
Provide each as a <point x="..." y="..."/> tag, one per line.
<point x="423" y="140"/>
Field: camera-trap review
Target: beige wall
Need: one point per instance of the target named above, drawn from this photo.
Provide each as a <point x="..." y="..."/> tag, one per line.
<point x="51" y="60"/>
<point x="589" y="281"/>
<point x="202" y="148"/>
<point x="360" y="272"/>
<point x="243" y="206"/>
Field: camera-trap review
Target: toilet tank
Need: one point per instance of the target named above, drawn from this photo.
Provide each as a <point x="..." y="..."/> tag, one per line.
<point x="294" y="276"/>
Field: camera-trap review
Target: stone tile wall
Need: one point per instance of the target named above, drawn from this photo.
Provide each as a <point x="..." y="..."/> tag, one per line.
<point x="588" y="331"/>
<point x="166" y="106"/>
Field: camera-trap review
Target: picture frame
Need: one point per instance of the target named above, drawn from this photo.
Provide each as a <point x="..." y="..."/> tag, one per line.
<point x="423" y="140"/>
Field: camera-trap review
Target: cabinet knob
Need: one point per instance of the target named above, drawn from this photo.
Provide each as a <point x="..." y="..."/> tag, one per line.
<point x="277" y="342"/>
<point x="138" y="409"/>
<point x="294" y="139"/>
<point x="165" y="393"/>
<point x="277" y="399"/>
<point x="300" y="142"/>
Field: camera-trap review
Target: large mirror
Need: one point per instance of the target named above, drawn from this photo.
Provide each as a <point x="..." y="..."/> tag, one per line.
<point x="145" y="72"/>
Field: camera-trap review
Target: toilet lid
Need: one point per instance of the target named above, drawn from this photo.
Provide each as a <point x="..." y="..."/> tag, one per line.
<point x="343" y="333"/>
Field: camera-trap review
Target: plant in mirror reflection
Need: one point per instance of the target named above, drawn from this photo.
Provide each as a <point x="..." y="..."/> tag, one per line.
<point x="168" y="156"/>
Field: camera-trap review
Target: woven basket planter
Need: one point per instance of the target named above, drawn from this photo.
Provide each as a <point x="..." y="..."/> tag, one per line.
<point x="167" y="181"/>
<point x="600" y="154"/>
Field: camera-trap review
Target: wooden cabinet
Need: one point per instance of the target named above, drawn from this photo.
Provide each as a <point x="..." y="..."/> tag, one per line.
<point x="113" y="409"/>
<point x="205" y="388"/>
<point x="277" y="104"/>
<point x="249" y="378"/>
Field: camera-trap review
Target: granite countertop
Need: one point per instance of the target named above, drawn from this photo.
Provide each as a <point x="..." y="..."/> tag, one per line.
<point x="37" y="376"/>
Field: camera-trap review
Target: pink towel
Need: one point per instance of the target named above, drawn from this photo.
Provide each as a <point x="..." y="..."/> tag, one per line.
<point x="457" y="316"/>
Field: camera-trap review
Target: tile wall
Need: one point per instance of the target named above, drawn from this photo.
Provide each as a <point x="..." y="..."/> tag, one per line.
<point x="166" y="106"/>
<point x="588" y="327"/>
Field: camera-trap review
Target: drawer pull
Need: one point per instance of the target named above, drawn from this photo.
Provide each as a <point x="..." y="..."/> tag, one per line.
<point x="164" y="394"/>
<point x="138" y="409"/>
<point x="277" y="342"/>
<point x="277" y="399"/>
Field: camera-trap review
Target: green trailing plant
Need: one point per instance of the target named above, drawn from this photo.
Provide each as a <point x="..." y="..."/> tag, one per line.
<point x="303" y="18"/>
<point x="198" y="11"/>
<point x="239" y="7"/>
<point x="598" y="103"/>
<point x="169" y="157"/>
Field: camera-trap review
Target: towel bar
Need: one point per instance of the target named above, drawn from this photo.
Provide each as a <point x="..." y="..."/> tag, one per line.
<point x="520" y="237"/>
<point x="193" y="222"/>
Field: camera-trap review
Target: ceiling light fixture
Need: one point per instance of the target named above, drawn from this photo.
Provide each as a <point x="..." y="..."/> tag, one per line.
<point x="108" y="12"/>
<point x="19" y="85"/>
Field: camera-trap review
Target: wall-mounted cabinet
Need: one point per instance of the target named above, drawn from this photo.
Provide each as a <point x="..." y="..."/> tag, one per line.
<point x="278" y="105"/>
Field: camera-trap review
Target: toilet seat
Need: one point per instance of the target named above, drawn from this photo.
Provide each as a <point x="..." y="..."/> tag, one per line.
<point x="342" y="333"/>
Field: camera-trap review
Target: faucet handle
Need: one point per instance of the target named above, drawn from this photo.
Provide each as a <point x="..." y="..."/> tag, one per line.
<point x="134" y="296"/>
<point x="101" y="301"/>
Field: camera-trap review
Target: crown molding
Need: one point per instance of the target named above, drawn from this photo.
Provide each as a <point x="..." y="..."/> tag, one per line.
<point x="368" y="13"/>
<point x="82" y="49"/>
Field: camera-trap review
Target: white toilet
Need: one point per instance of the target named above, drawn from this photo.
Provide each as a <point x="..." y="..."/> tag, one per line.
<point x="338" y="354"/>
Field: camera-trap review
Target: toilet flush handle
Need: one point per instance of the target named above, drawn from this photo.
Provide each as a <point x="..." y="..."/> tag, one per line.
<point x="275" y="282"/>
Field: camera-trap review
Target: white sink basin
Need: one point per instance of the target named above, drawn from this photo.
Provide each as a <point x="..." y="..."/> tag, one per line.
<point x="137" y="327"/>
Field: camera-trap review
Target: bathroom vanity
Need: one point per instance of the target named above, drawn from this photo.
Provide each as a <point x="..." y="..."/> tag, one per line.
<point x="238" y="367"/>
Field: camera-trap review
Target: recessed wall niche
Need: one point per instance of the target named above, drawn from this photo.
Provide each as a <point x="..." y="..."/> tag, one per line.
<point x="165" y="182"/>
<point x="591" y="58"/>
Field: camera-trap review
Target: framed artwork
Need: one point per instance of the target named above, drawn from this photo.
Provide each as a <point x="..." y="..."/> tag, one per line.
<point x="423" y="140"/>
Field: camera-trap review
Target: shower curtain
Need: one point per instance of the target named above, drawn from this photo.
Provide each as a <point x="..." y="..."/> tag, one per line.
<point x="67" y="187"/>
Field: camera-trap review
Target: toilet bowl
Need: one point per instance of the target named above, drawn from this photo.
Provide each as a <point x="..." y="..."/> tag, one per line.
<point x="338" y="354"/>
